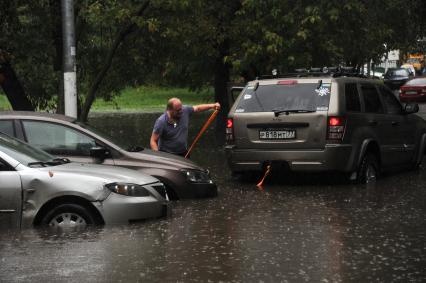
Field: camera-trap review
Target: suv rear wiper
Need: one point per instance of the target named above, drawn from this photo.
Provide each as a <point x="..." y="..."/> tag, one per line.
<point x="277" y="112"/>
<point x="53" y="162"/>
<point x="255" y="87"/>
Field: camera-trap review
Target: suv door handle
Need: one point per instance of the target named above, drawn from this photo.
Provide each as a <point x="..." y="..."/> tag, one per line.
<point x="395" y="123"/>
<point x="372" y="123"/>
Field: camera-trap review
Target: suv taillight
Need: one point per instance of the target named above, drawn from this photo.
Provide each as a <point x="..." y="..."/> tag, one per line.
<point x="336" y="128"/>
<point x="229" y="130"/>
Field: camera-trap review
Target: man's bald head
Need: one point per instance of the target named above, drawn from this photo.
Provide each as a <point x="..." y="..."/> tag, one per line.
<point x="174" y="103"/>
<point x="174" y="108"/>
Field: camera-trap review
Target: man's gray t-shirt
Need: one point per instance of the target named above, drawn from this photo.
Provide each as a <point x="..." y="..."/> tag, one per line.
<point x="173" y="137"/>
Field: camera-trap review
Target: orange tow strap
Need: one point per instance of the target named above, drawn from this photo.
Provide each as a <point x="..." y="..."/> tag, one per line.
<point x="268" y="170"/>
<point x="203" y="129"/>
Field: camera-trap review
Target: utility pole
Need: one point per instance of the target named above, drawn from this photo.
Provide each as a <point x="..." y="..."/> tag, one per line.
<point x="69" y="53"/>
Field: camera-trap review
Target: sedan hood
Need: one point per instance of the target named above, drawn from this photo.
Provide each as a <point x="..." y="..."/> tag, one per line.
<point x="164" y="160"/>
<point x="103" y="172"/>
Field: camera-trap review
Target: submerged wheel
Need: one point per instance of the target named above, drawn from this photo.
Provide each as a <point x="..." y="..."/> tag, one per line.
<point x="68" y="216"/>
<point x="368" y="170"/>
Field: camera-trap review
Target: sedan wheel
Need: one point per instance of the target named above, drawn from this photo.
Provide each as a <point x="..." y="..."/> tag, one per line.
<point x="67" y="220"/>
<point x="68" y="216"/>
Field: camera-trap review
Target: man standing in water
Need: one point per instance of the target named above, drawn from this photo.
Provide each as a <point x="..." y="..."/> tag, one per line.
<point x="170" y="133"/>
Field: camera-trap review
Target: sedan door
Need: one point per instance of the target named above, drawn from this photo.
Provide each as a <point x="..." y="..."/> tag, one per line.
<point x="10" y="197"/>
<point x="61" y="140"/>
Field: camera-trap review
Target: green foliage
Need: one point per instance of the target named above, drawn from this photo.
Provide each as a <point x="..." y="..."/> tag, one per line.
<point x="4" y="103"/>
<point x="152" y="98"/>
<point x="25" y="32"/>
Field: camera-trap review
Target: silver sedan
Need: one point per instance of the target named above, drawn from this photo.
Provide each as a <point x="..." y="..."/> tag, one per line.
<point x="37" y="189"/>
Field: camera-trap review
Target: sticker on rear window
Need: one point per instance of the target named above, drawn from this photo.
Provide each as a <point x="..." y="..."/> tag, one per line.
<point x="247" y="96"/>
<point x="250" y="87"/>
<point x="323" y="91"/>
<point x="239" y="110"/>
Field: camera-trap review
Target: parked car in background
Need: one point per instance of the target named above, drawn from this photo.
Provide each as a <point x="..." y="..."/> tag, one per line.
<point x="39" y="189"/>
<point x="376" y="72"/>
<point x="323" y="122"/>
<point x="410" y="69"/>
<point x="413" y="91"/>
<point x="395" y="78"/>
<point x="63" y="136"/>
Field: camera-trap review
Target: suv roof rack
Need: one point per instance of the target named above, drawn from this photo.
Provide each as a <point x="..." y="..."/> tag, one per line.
<point x="340" y="71"/>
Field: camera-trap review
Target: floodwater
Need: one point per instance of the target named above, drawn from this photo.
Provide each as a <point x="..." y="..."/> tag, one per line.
<point x="298" y="228"/>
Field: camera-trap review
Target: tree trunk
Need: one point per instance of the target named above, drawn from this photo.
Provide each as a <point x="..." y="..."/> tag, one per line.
<point x="11" y="85"/>
<point x="221" y="79"/>
<point x="56" y="33"/>
<point x="125" y="31"/>
<point x="222" y="69"/>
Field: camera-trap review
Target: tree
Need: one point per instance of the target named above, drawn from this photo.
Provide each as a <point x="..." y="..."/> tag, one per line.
<point x="118" y="40"/>
<point x="11" y="85"/>
<point x="196" y="43"/>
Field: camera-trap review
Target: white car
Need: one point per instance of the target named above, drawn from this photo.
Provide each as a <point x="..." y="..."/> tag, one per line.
<point x="410" y="69"/>
<point x="38" y="189"/>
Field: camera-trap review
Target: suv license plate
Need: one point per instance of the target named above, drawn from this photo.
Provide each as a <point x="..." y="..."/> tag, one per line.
<point x="277" y="135"/>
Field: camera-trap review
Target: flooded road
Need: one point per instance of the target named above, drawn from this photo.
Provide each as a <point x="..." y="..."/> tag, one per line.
<point x="298" y="228"/>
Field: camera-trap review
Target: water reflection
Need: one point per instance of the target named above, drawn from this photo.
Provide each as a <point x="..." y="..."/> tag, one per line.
<point x="301" y="227"/>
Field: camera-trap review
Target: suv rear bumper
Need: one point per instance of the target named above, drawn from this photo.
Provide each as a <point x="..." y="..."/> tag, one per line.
<point x="334" y="157"/>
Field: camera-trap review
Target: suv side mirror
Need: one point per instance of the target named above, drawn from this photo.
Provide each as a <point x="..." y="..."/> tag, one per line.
<point x="100" y="153"/>
<point x="411" y="108"/>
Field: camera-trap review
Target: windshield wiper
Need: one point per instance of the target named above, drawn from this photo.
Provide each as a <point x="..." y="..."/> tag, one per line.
<point x="40" y="163"/>
<point x="61" y="160"/>
<point x="277" y="112"/>
<point x="135" y="148"/>
<point x="53" y="162"/>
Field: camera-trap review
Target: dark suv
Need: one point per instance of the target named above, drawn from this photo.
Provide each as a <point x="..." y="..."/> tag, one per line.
<point x="328" y="123"/>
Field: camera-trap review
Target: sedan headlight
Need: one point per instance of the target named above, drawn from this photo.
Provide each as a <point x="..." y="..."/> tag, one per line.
<point x="197" y="176"/>
<point x="128" y="189"/>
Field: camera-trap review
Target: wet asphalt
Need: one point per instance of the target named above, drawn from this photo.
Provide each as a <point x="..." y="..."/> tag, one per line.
<point x="298" y="228"/>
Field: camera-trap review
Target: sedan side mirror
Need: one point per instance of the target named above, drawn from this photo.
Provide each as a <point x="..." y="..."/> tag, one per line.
<point x="100" y="153"/>
<point x="411" y="108"/>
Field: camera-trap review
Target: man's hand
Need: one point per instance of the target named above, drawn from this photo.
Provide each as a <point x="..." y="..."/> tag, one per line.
<point x="216" y="106"/>
<point x="204" y="107"/>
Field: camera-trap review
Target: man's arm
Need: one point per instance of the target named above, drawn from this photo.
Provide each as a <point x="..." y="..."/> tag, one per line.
<point x="204" y="107"/>
<point x="154" y="141"/>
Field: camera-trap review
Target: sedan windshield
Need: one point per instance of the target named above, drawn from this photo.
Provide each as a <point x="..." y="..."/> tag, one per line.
<point x="22" y="152"/>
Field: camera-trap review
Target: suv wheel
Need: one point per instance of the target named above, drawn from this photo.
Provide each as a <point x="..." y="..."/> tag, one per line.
<point x="368" y="170"/>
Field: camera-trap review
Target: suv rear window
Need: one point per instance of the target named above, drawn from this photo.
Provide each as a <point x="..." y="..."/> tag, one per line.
<point x="298" y="96"/>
